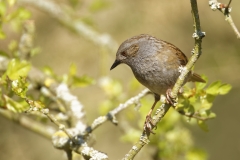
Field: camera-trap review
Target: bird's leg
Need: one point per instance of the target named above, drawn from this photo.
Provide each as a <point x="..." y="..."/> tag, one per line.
<point x="148" y="122"/>
<point x="169" y="98"/>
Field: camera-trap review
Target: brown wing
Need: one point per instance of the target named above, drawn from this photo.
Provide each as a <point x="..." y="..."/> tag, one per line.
<point x="181" y="56"/>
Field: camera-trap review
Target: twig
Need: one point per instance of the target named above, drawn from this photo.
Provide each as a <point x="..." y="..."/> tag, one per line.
<point x="111" y="115"/>
<point x="77" y="143"/>
<point x="225" y="9"/>
<point x="198" y="35"/>
<point x="194" y="115"/>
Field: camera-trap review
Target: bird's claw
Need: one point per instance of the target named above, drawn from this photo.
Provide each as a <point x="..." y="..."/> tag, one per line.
<point x="170" y="99"/>
<point x="148" y="125"/>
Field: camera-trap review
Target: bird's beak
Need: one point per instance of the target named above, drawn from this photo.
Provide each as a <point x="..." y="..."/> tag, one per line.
<point x="115" y="64"/>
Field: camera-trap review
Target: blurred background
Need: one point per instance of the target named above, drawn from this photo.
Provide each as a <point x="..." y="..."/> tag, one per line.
<point x="167" y="20"/>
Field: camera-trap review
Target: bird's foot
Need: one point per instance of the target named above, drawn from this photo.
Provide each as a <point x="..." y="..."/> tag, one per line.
<point x="170" y="99"/>
<point x="148" y="125"/>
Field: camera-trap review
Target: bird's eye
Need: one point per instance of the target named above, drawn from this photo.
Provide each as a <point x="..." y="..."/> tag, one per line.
<point x="124" y="53"/>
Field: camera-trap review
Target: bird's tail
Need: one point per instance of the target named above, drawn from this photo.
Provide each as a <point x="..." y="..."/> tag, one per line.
<point x="196" y="78"/>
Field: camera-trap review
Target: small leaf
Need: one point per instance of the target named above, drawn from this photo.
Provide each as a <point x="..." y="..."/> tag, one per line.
<point x="207" y="101"/>
<point x="212" y="115"/>
<point x="213" y="89"/>
<point x="203" y="125"/>
<point x="17" y="69"/>
<point x="224" y="89"/>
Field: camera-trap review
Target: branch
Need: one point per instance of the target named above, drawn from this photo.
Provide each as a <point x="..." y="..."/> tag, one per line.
<point x="77" y="26"/>
<point x="195" y="115"/>
<point x="225" y="9"/>
<point x="111" y="115"/>
<point x="60" y="141"/>
<point x="160" y="113"/>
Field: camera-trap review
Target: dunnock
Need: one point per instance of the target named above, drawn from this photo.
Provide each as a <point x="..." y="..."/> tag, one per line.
<point x="156" y="64"/>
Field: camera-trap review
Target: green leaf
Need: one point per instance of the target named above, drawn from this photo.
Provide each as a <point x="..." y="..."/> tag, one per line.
<point x="203" y="125"/>
<point x="218" y="88"/>
<point x="17" y="69"/>
<point x="224" y="89"/>
<point x="213" y="89"/>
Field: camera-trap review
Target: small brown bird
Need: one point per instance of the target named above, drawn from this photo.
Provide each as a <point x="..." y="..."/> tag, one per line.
<point x="155" y="63"/>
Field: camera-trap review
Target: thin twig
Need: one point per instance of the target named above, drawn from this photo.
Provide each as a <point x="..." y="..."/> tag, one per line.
<point x="111" y="115"/>
<point x="77" y="143"/>
<point x="225" y="9"/>
<point x="194" y="115"/>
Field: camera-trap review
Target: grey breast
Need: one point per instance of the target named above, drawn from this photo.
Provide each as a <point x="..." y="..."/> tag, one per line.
<point x="151" y="68"/>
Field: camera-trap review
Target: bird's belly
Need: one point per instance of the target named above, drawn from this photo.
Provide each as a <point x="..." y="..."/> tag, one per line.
<point x="157" y="80"/>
